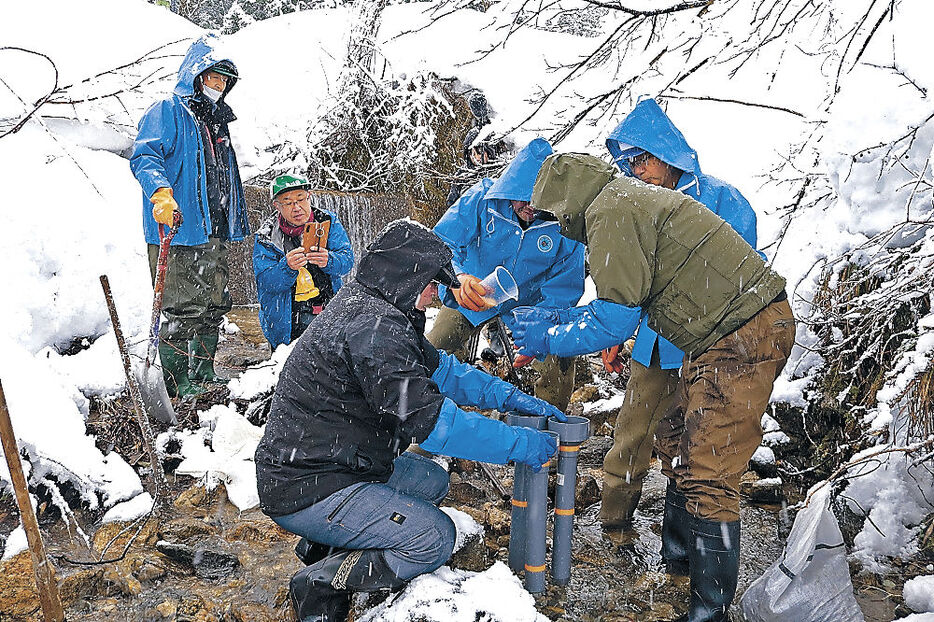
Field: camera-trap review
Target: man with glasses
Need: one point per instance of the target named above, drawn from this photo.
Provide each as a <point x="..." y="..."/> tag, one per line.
<point x="648" y="146"/>
<point x="185" y="163"/>
<point x="658" y="254"/>
<point x="293" y="283"/>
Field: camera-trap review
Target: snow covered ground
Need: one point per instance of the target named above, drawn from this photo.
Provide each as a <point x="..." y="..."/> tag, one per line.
<point x="72" y="208"/>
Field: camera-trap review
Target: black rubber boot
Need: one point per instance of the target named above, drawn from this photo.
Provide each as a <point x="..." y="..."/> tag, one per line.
<point x="676" y="532"/>
<point x="321" y="591"/>
<point x="203" y="350"/>
<point x="714" y="562"/>
<point x="309" y="552"/>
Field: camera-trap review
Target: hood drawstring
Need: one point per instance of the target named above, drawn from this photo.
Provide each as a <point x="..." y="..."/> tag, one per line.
<point x="490" y="227"/>
<point x="695" y="182"/>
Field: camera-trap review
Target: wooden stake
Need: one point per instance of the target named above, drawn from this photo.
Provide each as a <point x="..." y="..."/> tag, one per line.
<point x="161" y="493"/>
<point x="45" y="573"/>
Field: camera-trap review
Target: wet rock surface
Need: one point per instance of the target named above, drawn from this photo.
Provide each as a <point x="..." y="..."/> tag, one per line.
<point x="207" y="562"/>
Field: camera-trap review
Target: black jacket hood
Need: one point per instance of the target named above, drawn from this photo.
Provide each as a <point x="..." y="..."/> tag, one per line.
<point x="402" y="261"/>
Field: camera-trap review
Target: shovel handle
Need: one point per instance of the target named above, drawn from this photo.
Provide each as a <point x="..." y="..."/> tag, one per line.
<point x="165" y="240"/>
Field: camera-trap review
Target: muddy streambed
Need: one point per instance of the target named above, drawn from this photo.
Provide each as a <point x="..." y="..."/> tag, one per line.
<point x="207" y="561"/>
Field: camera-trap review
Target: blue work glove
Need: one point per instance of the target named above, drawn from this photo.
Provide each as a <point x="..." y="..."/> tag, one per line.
<point x="536" y="314"/>
<point x="530" y="336"/>
<point x="526" y="404"/>
<point x="533" y="448"/>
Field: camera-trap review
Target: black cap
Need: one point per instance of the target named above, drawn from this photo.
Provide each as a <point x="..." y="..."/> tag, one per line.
<point x="225" y="68"/>
<point x="447" y="277"/>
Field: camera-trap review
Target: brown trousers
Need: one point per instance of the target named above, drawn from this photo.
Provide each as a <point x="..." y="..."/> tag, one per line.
<point x="648" y="396"/>
<point x="452" y="331"/>
<point x="713" y="426"/>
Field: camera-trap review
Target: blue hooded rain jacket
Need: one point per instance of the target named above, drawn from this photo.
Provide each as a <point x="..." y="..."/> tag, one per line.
<point x="275" y="280"/>
<point x="483" y="232"/>
<point x="648" y="128"/>
<point x="169" y="153"/>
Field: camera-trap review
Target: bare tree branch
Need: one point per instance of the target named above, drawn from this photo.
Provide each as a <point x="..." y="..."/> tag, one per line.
<point x="41" y="101"/>
<point x="732" y="101"/>
<point x="677" y="8"/>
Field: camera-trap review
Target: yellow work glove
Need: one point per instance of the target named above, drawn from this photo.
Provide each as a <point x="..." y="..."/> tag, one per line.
<point x="305" y="288"/>
<point x="470" y="294"/>
<point x="163" y="206"/>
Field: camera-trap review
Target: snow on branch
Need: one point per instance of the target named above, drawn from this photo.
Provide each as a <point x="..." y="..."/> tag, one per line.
<point x="379" y="131"/>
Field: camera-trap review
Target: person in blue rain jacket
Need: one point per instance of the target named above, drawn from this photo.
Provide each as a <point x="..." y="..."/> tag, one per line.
<point x="647" y="145"/>
<point x="294" y="286"/>
<point x="185" y="164"/>
<point x="492" y="224"/>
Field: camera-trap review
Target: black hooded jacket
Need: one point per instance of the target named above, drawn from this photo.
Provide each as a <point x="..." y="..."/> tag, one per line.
<point x="357" y="388"/>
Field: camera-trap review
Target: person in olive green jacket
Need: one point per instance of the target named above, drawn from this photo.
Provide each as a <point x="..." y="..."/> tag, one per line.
<point x="658" y="253"/>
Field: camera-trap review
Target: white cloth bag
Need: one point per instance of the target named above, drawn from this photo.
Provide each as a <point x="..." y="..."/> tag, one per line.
<point x="810" y="582"/>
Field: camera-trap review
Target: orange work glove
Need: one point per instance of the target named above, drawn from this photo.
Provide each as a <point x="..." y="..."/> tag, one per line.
<point x="470" y="294"/>
<point x="611" y="361"/>
<point x="522" y="360"/>
<point x="164" y="206"/>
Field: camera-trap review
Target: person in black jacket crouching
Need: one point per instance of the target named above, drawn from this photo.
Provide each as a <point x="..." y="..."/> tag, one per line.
<point x="360" y="385"/>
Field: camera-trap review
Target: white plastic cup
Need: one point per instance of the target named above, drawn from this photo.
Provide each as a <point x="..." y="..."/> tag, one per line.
<point x="499" y="287"/>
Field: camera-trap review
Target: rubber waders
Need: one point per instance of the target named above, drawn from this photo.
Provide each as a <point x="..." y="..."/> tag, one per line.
<point x="203" y="350"/>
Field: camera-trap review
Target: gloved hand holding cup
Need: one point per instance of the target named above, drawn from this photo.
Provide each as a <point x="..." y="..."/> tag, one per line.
<point x="499" y="286"/>
<point x="470" y="294"/>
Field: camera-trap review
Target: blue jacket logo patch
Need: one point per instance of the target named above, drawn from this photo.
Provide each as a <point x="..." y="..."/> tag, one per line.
<point x="545" y="243"/>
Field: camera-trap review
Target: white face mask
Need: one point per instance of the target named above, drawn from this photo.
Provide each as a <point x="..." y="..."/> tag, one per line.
<point x="211" y="94"/>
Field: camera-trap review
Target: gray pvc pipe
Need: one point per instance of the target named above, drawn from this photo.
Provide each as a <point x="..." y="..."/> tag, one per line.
<point x="536" y="525"/>
<point x="517" y="530"/>
<point x="572" y="433"/>
<point x="520" y="502"/>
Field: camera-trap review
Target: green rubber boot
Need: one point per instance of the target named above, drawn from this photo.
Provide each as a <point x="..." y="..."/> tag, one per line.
<point x="174" y="357"/>
<point x="203" y="350"/>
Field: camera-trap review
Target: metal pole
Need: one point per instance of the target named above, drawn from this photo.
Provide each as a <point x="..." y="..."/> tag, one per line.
<point x="491" y="477"/>
<point x="572" y="433"/>
<point x="536" y="527"/>
<point x="520" y="501"/>
<point x="158" y="475"/>
<point x="46" y="584"/>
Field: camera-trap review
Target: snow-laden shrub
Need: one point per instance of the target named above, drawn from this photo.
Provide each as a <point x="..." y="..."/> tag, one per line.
<point x="378" y="135"/>
<point x="379" y="131"/>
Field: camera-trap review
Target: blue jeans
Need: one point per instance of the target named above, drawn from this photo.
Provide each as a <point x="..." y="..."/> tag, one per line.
<point x="399" y="517"/>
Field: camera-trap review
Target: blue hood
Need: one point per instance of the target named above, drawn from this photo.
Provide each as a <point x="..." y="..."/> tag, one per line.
<point x="517" y="180"/>
<point x="201" y="56"/>
<point x="648" y="128"/>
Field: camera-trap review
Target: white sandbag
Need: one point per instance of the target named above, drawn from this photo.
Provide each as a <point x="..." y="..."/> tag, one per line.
<point x="810" y="582"/>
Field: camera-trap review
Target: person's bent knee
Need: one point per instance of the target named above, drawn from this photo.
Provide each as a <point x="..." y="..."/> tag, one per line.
<point x="425" y="553"/>
<point x="448" y="533"/>
<point x="437" y="484"/>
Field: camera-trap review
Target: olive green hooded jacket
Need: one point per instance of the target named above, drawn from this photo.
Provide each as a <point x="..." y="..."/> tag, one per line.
<point x="693" y="275"/>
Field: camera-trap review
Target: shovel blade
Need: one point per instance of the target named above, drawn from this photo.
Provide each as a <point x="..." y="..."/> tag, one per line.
<point x="148" y="375"/>
<point x="154" y="394"/>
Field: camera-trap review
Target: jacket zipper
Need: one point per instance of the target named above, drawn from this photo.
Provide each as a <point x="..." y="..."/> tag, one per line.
<point x="522" y="231"/>
<point x="204" y="224"/>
